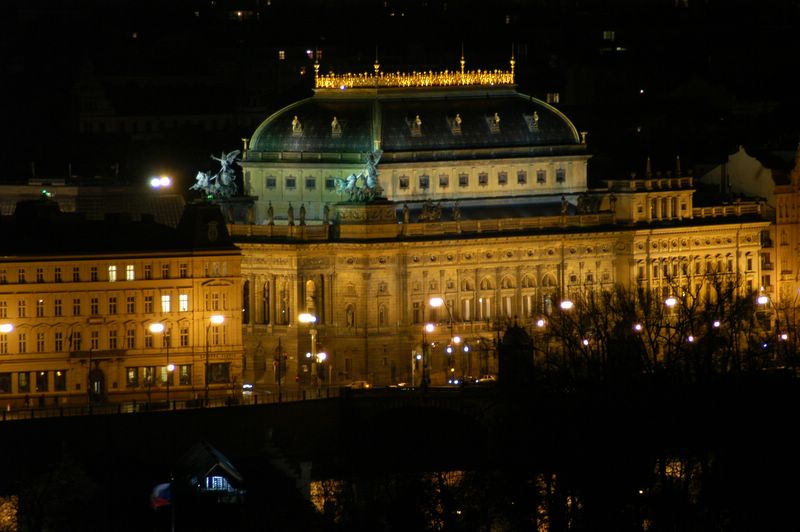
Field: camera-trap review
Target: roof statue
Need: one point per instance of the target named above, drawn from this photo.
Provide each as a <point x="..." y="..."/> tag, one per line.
<point x="364" y="187"/>
<point x="223" y="183"/>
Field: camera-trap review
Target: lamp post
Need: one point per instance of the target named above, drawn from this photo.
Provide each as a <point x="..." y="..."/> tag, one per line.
<point x="451" y="348"/>
<point x="216" y="319"/>
<point x="426" y="377"/>
<point x="158" y="328"/>
<point x="311" y="320"/>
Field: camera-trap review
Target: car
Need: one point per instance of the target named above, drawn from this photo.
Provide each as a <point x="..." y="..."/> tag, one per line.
<point x="485" y="379"/>
<point x="359" y="385"/>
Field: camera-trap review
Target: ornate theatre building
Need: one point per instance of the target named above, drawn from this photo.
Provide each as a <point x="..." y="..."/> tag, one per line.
<point x="384" y="191"/>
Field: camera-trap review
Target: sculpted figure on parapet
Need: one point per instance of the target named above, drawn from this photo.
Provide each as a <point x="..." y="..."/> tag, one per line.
<point x="222" y="184"/>
<point x="364" y="187"/>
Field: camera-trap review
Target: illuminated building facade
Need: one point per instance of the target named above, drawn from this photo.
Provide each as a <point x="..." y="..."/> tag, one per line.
<point x="486" y="207"/>
<point x="79" y="298"/>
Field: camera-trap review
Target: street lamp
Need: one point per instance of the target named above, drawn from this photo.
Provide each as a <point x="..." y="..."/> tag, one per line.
<point x="428" y="328"/>
<point x="216" y="319"/>
<point x="305" y="317"/>
<point x="158" y="328"/>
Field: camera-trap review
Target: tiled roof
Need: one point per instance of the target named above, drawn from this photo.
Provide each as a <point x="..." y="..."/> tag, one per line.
<point x="486" y="120"/>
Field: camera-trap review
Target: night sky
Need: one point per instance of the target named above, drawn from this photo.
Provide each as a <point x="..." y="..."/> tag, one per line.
<point x="715" y="74"/>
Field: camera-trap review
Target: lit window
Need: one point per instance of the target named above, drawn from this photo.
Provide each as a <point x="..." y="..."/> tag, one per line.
<point x="112" y="273"/>
<point x="130" y="274"/>
<point x="553" y="97"/>
<point x="165" y="303"/>
<point x="183" y="303"/>
<point x="281" y="55"/>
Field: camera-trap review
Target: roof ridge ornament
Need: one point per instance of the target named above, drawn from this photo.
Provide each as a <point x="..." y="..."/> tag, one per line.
<point x="445" y="78"/>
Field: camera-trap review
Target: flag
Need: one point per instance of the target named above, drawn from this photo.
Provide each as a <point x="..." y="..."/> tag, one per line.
<point x="161" y="496"/>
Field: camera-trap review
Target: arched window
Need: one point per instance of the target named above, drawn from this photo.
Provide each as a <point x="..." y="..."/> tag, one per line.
<point x="486" y="284"/>
<point x="467" y="285"/>
<point x="246" y="302"/>
<point x="507" y="282"/>
<point x="382" y="315"/>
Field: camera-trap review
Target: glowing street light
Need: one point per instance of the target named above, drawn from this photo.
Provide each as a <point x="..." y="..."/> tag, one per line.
<point x="566" y="304"/>
<point x="305" y="317"/>
<point x="671" y="301"/>
<point x="160" y="182"/>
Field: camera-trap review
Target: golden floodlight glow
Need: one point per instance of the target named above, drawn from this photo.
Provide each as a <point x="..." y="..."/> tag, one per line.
<point x="305" y="317"/>
<point x="156" y="327"/>
<point x="436" y="302"/>
<point x="6" y="328"/>
<point x="217" y="319"/>
<point x="430" y="327"/>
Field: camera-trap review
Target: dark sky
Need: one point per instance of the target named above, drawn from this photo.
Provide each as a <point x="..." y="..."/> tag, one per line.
<point x="716" y="73"/>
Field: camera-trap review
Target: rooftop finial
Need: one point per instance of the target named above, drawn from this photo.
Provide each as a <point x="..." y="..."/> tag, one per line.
<point x="648" y="171"/>
<point x="678" y="165"/>
<point x="462" y="59"/>
<point x="513" y="62"/>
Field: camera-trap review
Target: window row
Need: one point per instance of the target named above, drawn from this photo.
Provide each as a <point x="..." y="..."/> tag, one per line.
<point x="113" y="305"/>
<point x="33" y="382"/>
<point x="73" y="340"/>
<point x="158" y="376"/>
<point x="424" y="181"/>
<point x="113" y="272"/>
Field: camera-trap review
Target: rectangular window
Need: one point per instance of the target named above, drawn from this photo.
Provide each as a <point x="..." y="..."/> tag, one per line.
<point x="3" y="344"/>
<point x="130" y="272"/>
<point x="311" y="183"/>
<point x="165" y="303"/>
<point x="112" y="305"/>
<point x="184" y="270"/>
<point x="403" y="182"/>
<point x="444" y="181"/>
<point x="41" y="381"/>
<point x="57" y="274"/>
<point x="76" y="274"/>
<point x="23" y="342"/>
<point x="212" y="301"/>
<point x="502" y="179"/>
<point x="291" y="182"/>
<point x="184" y="336"/>
<point x="148" y="271"/>
<point x="5" y="382"/>
<point x="40" y="342"/>
<point x="94" y="306"/>
<point x="39" y="275"/>
<point x="93" y="273"/>
<point x="112" y="339"/>
<point x="57" y="308"/>
<point x="553" y="97"/>
<point x="149" y="375"/>
<point x="3" y="309"/>
<point x="40" y="308"/>
<point x="131" y="377"/>
<point x="330" y="183"/>
<point x="522" y="177"/>
<point x="148" y="339"/>
<point x="561" y="175"/>
<point x="60" y="380"/>
<point x="218" y="373"/>
<point x="463" y="180"/>
<point x="76" y="307"/>
<point x="75" y="341"/>
<point x="130" y="304"/>
<point x="215" y="336"/>
<point x="165" y="271"/>
<point x="21" y="312"/>
<point x="281" y="55"/>
<point x="112" y="273"/>
<point x="148" y="304"/>
<point x="483" y="179"/>
<point x="183" y="302"/>
<point x="185" y="374"/>
<point x="94" y="340"/>
<point x="59" y="341"/>
<point x="21" y="275"/>
<point x="130" y="338"/>
<point x="424" y="182"/>
<point x="271" y="182"/>
<point x="23" y="382"/>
